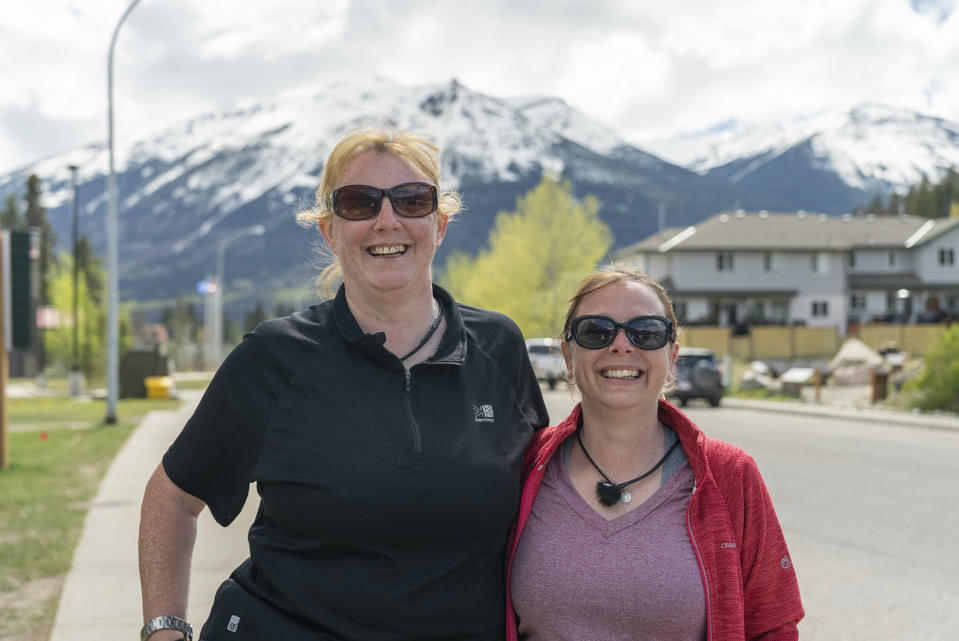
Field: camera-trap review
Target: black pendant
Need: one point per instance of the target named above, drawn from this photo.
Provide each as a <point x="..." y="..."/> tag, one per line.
<point x="607" y="493"/>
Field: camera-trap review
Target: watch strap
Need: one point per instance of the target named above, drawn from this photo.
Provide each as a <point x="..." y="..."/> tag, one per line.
<point x="166" y="623"/>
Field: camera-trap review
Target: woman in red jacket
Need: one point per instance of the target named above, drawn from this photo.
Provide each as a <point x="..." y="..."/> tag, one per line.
<point x="633" y="524"/>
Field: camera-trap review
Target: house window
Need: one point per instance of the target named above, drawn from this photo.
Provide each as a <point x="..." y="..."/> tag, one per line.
<point x="891" y="302"/>
<point x="851" y="258"/>
<point x="679" y="308"/>
<point x="952" y="303"/>
<point x="778" y="312"/>
<point x="724" y="261"/>
<point x="756" y="311"/>
<point x="947" y="256"/>
<point x="857" y="302"/>
<point x="772" y="262"/>
<point x="820" y="262"/>
<point x="820" y="308"/>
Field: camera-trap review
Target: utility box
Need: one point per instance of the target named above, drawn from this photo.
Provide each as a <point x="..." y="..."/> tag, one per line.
<point x="138" y="365"/>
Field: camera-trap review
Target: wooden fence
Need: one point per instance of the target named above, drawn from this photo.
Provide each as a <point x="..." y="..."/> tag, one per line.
<point x="776" y="341"/>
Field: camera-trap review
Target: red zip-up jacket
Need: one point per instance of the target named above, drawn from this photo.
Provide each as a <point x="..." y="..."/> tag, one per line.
<point x="748" y="576"/>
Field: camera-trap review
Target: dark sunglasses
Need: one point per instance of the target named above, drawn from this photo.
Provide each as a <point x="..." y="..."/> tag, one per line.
<point x="359" y="202"/>
<point x="597" y="332"/>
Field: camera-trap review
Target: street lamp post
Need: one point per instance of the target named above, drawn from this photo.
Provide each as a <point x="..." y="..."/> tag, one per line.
<point x="113" y="278"/>
<point x="76" y="376"/>
<point x="217" y="328"/>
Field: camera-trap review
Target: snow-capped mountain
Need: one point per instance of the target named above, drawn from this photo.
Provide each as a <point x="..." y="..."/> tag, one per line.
<point x="829" y="162"/>
<point x="258" y="162"/>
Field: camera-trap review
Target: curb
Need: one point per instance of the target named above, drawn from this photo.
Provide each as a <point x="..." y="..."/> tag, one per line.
<point x="869" y="415"/>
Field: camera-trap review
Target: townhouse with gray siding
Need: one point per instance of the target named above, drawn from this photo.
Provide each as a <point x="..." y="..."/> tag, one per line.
<point x="739" y="268"/>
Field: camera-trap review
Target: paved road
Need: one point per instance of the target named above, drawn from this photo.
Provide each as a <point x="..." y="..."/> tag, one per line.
<point x="870" y="514"/>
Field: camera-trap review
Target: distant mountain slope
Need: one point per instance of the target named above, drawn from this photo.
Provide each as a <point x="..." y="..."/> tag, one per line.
<point x="831" y="162"/>
<point x="183" y="189"/>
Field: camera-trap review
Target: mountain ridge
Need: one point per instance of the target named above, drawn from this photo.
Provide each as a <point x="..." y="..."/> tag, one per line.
<point x="185" y="187"/>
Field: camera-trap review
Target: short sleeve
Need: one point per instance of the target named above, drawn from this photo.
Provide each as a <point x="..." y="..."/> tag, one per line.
<point x="214" y="456"/>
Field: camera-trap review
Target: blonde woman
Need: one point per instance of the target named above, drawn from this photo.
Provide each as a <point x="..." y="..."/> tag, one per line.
<point x="384" y="429"/>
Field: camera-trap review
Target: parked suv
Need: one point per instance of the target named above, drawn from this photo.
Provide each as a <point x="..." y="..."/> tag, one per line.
<point x="547" y="360"/>
<point x="697" y="376"/>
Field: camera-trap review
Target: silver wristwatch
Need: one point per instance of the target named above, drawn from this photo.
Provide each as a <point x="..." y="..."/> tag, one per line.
<point x="167" y="623"/>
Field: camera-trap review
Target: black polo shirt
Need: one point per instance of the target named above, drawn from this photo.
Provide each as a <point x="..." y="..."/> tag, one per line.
<point x="386" y="495"/>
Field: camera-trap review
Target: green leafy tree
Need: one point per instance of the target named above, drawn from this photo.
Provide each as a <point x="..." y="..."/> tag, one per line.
<point x="938" y="384"/>
<point x="535" y="256"/>
<point x="91" y="317"/>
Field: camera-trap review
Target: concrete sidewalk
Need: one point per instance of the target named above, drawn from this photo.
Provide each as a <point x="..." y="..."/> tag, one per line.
<point x="101" y="594"/>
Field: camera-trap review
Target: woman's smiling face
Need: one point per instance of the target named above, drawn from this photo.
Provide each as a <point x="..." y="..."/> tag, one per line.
<point x="387" y="251"/>
<point x="620" y="376"/>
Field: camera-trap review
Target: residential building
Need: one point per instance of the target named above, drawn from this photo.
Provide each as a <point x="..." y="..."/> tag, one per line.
<point x="739" y="268"/>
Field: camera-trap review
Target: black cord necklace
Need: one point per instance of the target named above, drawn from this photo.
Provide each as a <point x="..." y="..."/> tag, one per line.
<point x="434" y="324"/>
<point x="610" y="493"/>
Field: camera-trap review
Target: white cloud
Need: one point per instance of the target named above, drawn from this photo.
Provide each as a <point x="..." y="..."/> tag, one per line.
<point x="647" y="69"/>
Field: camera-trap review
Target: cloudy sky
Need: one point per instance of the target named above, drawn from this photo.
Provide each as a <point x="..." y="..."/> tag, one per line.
<point x="649" y="69"/>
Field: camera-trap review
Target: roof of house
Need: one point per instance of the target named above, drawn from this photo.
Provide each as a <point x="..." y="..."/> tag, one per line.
<point x="784" y="293"/>
<point x="906" y="280"/>
<point x="796" y="231"/>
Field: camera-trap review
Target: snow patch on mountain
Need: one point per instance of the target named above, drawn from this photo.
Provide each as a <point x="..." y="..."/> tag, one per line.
<point x="871" y="147"/>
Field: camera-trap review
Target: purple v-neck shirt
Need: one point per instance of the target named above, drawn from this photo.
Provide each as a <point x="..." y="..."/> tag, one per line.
<point x="577" y="576"/>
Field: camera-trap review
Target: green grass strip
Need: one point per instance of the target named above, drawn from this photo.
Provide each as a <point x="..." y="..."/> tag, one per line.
<point x="55" y="470"/>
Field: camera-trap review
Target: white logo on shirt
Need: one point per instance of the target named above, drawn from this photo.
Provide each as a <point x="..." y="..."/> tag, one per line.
<point x="483" y="413"/>
<point x="234" y="623"/>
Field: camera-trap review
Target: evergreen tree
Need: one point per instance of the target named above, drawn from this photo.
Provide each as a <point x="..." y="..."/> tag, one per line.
<point x="895" y="203"/>
<point x="535" y="256"/>
<point x="11" y="218"/>
<point x="282" y="309"/>
<point x="182" y="322"/>
<point x="875" y="206"/>
<point x="91" y="269"/>
<point x="927" y="200"/>
<point x="254" y="317"/>
<point x="36" y="216"/>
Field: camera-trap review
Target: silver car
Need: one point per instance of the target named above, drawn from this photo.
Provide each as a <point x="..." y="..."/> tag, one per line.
<point x="547" y="360"/>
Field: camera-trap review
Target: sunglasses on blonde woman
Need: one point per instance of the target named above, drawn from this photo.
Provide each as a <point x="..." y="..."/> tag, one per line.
<point x="360" y="202"/>
<point x="597" y="332"/>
